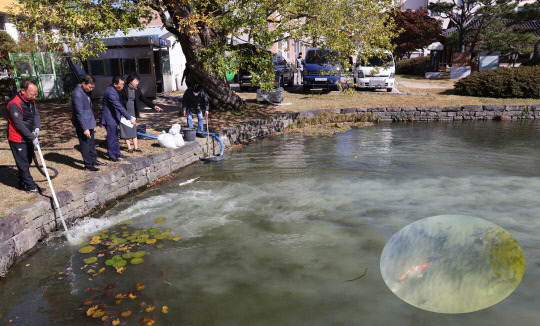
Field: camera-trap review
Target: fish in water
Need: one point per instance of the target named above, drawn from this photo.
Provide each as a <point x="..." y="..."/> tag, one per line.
<point x="188" y="182"/>
<point x="415" y="271"/>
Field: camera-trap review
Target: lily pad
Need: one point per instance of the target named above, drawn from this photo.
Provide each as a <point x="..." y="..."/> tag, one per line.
<point x="160" y="236"/>
<point x="127" y="255"/>
<point x="120" y="263"/>
<point x="136" y="261"/>
<point x="126" y="223"/>
<point x="90" y="260"/>
<point x="154" y="231"/>
<point x="151" y="241"/>
<point x="138" y="254"/>
<point x="87" y="249"/>
<point x="159" y="246"/>
<point x="160" y="220"/>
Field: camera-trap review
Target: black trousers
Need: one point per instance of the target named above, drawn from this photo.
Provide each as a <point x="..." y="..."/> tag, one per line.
<point x="88" y="148"/>
<point x="23" y="154"/>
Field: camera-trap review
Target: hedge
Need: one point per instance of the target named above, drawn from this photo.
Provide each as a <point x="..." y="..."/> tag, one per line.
<point x="521" y="82"/>
<point x="415" y="66"/>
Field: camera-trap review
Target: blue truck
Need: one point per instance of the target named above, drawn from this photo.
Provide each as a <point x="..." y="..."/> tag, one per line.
<point x="320" y="70"/>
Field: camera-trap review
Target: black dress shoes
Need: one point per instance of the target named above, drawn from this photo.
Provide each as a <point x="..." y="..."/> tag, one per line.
<point x="100" y="163"/>
<point x="34" y="189"/>
<point x="91" y="168"/>
<point x="114" y="159"/>
<point x="121" y="156"/>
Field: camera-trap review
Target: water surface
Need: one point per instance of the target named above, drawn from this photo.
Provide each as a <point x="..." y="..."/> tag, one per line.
<point x="271" y="235"/>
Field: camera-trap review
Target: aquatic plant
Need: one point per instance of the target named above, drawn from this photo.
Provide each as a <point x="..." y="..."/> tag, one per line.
<point x="113" y="251"/>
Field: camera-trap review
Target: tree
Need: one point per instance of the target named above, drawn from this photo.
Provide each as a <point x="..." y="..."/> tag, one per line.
<point x="507" y="39"/>
<point x="207" y="30"/>
<point x="418" y="30"/>
<point x="470" y="17"/>
<point x="7" y="45"/>
<point x="519" y="20"/>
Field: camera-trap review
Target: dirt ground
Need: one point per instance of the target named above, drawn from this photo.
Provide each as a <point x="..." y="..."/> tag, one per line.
<point x="57" y="130"/>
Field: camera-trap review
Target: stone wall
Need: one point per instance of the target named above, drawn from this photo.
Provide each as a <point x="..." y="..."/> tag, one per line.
<point x="26" y="225"/>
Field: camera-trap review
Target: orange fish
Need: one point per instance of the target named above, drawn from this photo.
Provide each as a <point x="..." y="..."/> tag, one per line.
<point x="414" y="271"/>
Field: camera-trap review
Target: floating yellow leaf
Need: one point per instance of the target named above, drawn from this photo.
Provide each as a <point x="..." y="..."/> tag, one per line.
<point x="116" y="322"/>
<point x="175" y="238"/>
<point x="120" y="270"/>
<point x="147" y="321"/>
<point x="91" y="310"/>
<point x="160" y="220"/>
<point x="126" y="313"/>
<point x="98" y="313"/>
<point x="121" y="296"/>
<point x="150" y="308"/>
<point x="87" y="249"/>
<point x="159" y="246"/>
<point x="139" y="286"/>
<point x="132" y="296"/>
<point x="164" y="309"/>
<point x="126" y="223"/>
<point x="151" y="241"/>
<point x="88" y="302"/>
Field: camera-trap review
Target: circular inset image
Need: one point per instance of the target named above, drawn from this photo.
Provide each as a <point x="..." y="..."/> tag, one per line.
<point x="452" y="264"/>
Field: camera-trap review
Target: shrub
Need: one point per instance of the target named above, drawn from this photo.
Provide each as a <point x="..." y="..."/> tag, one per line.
<point x="415" y="66"/>
<point x="521" y="82"/>
<point x="532" y="62"/>
<point x="6" y="87"/>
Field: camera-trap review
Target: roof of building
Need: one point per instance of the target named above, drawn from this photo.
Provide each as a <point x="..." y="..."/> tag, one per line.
<point x="157" y="31"/>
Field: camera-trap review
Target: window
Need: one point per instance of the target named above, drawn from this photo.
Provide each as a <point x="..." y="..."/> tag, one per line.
<point x="97" y="68"/>
<point x="166" y="62"/>
<point x="129" y="66"/>
<point x="144" y="66"/>
<point x="113" y="67"/>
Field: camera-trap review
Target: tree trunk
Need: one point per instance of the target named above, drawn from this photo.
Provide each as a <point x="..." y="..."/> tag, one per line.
<point x="537" y="50"/>
<point x="221" y="96"/>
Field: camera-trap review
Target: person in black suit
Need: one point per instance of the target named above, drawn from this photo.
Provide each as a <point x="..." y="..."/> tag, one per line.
<point x="84" y="122"/>
<point x="112" y="113"/>
<point x="131" y="96"/>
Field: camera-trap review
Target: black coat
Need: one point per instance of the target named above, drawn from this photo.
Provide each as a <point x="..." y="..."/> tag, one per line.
<point x="195" y="103"/>
<point x="139" y="97"/>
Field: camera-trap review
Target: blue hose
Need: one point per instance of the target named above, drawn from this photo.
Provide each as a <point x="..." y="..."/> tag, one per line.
<point x="219" y="140"/>
<point x="145" y="135"/>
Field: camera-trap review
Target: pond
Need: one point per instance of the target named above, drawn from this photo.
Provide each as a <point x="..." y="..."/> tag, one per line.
<point x="274" y="234"/>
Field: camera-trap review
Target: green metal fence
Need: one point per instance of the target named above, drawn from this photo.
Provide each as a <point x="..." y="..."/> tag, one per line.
<point x="48" y="70"/>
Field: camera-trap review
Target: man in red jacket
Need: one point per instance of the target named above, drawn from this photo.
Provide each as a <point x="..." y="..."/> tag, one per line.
<point x="23" y="131"/>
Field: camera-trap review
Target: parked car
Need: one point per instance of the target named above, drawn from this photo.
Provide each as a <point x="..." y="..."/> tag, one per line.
<point x="284" y="71"/>
<point x="284" y="74"/>
<point x="320" y="69"/>
<point x="375" y="73"/>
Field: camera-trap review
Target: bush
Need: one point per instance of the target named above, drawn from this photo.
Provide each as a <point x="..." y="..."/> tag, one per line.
<point x="6" y="87"/>
<point x="415" y="66"/>
<point x="532" y="62"/>
<point x="521" y="82"/>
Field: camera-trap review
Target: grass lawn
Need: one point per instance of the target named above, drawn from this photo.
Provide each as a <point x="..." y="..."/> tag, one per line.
<point x="57" y="130"/>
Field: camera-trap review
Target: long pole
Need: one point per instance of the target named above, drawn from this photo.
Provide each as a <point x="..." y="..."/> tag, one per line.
<point x="207" y="138"/>
<point x="51" y="186"/>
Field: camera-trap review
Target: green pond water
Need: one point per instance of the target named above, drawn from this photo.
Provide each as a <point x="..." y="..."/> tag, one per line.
<point x="274" y="234"/>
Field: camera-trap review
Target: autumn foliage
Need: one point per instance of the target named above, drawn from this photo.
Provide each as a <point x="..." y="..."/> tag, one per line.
<point x="418" y="30"/>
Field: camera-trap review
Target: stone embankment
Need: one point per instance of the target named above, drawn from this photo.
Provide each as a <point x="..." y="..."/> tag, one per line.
<point x="25" y="225"/>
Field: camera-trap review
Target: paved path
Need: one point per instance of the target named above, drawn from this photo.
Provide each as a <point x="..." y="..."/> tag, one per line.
<point x="417" y="84"/>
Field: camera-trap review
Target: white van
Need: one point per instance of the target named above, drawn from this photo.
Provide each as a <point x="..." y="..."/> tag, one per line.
<point x="384" y="76"/>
